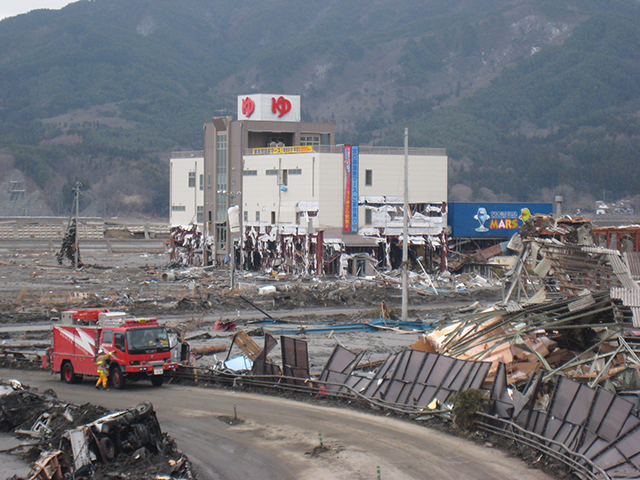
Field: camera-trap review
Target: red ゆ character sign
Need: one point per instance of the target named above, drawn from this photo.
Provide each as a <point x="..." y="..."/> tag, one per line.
<point x="280" y="105"/>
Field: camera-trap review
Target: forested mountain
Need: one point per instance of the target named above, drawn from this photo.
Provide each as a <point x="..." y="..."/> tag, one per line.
<point x="530" y="98"/>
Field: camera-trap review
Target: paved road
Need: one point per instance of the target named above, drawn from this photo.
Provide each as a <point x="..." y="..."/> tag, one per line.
<point x="278" y="435"/>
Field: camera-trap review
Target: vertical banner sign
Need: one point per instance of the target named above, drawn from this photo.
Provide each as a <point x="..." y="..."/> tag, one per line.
<point x="354" y="188"/>
<point x="347" y="189"/>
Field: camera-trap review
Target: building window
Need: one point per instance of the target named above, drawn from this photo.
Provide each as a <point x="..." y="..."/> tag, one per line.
<point x="209" y="182"/>
<point x="221" y="236"/>
<point x="192" y="179"/>
<point x="250" y="173"/>
<point x="271" y="172"/>
<point x="310" y="140"/>
<point x="258" y="216"/>
<point x="246" y="216"/>
<point x="368" y="216"/>
<point x="295" y="171"/>
<point x="200" y="215"/>
<point x="368" y="178"/>
<point x="201" y="182"/>
<point x="178" y="208"/>
<point x="273" y="218"/>
<point x="283" y="177"/>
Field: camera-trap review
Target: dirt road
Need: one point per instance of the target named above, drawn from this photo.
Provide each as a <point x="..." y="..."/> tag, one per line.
<point x="280" y="439"/>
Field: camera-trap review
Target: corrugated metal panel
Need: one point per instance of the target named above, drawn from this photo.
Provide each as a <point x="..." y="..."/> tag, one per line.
<point x="295" y="359"/>
<point x="414" y="379"/>
<point x="617" y="264"/>
<point x="600" y="250"/>
<point x="622" y="272"/>
<point x="633" y="262"/>
<point x="582" y="303"/>
<point x="593" y="422"/>
<point x="635" y="311"/>
<point x="629" y="297"/>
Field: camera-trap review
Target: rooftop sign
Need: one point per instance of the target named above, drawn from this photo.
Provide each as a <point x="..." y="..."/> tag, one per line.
<point x="282" y="108"/>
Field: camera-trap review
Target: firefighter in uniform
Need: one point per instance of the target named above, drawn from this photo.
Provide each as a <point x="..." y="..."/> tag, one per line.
<point x="103" y="371"/>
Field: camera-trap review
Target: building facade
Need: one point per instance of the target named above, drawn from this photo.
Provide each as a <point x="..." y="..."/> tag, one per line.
<point x="296" y="191"/>
<point x="264" y="122"/>
<point x="186" y="193"/>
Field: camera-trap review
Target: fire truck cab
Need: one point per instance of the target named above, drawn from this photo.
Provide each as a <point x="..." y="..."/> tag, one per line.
<point x="139" y="347"/>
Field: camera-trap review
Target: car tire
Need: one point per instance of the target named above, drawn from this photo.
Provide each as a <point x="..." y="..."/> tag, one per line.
<point x="107" y="449"/>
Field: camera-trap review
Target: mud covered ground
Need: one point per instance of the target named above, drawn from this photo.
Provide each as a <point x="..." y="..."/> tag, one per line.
<point x="34" y="288"/>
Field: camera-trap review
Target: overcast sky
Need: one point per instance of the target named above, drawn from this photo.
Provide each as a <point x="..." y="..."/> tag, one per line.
<point x="11" y="8"/>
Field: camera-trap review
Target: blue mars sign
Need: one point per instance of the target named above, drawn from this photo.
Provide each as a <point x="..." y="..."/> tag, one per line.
<point x="492" y="219"/>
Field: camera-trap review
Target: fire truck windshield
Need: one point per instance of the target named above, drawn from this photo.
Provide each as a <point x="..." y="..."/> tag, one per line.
<point x="147" y="340"/>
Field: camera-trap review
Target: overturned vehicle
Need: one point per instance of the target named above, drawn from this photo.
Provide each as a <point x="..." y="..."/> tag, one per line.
<point x="121" y="432"/>
<point x="84" y="441"/>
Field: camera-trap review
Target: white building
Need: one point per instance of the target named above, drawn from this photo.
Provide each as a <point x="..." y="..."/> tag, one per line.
<point x="310" y="189"/>
<point x="289" y="179"/>
<point x="186" y="194"/>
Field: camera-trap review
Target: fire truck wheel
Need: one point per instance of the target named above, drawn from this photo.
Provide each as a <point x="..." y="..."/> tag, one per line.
<point x="67" y="374"/>
<point x="157" y="380"/>
<point x="117" y="379"/>
<point x="108" y="449"/>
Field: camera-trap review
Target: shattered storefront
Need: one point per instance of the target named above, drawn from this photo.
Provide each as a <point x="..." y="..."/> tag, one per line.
<point x="188" y="246"/>
<point x="285" y="249"/>
<point x="426" y="232"/>
<point x="293" y="249"/>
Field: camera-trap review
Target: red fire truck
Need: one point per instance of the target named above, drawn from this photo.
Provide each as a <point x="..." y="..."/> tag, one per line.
<point x="140" y="347"/>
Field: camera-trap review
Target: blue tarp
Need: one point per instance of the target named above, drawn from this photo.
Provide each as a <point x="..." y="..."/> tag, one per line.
<point x="372" y="325"/>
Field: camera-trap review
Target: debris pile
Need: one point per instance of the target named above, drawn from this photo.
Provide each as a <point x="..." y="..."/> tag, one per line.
<point x="563" y="349"/>
<point x="568" y="309"/>
<point x="589" y="338"/>
<point x="187" y="246"/>
<point x="84" y="440"/>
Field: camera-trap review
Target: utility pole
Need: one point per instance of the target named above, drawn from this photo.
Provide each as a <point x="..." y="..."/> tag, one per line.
<point x="77" y="191"/>
<point x="405" y="231"/>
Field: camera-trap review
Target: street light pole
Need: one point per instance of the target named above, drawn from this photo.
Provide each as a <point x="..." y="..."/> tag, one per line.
<point x="405" y="231"/>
